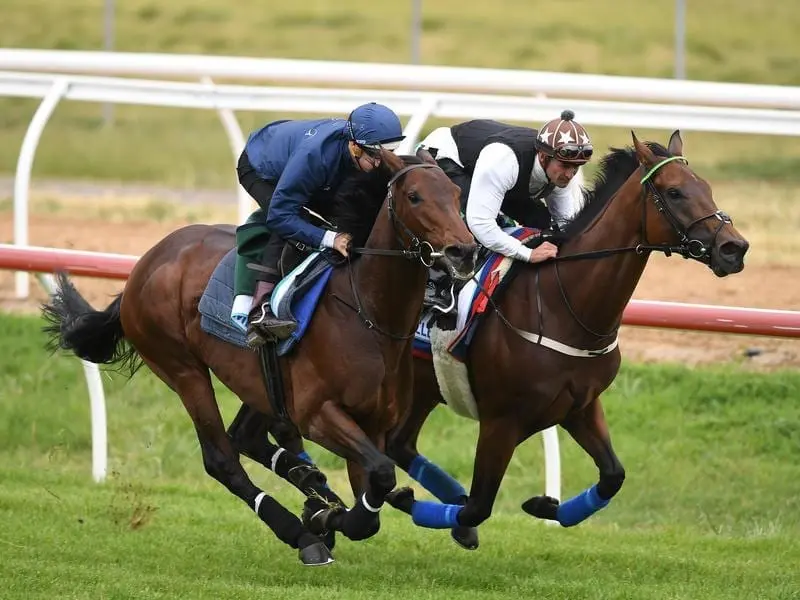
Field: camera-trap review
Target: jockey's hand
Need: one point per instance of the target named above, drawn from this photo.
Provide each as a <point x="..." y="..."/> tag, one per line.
<point x="341" y="243"/>
<point x="543" y="252"/>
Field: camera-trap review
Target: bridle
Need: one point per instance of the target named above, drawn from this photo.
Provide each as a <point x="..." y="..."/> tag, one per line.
<point x="416" y="249"/>
<point x="687" y="246"/>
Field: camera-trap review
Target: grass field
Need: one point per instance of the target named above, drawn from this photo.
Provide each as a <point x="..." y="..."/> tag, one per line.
<point x="710" y="507"/>
<point x="184" y="147"/>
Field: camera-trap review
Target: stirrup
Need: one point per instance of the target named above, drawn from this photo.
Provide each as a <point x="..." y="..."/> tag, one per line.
<point x="269" y="326"/>
<point x="439" y="300"/>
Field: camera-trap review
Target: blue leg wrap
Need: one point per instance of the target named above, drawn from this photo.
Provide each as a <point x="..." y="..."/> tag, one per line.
<point x="580" y="507"/>
<point x="435" y="480"/>
<point x="434" y="515"/>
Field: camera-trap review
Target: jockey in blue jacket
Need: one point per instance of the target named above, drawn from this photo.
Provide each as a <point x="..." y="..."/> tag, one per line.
<point x="289" y="165"/>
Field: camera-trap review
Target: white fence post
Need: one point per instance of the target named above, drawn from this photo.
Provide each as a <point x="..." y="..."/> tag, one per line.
<point x="97" y="402"/>
<point x="415" y="123"/>
<point x="552" y="464"/>
<point x="22" y="177"/>
<point x="236" y="140"/>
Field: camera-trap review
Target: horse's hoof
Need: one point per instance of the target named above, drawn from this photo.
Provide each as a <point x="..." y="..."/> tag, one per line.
<point x="466" y="537"/>
<point x="542" y="507"/>
<point x="316" y="555"/>
<point x="401" y="499"/>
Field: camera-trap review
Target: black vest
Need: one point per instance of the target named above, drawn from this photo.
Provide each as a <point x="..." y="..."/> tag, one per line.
<point x="471" y="137"/>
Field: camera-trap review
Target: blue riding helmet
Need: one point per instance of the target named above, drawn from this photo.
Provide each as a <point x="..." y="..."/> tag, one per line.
<point x="375" y="126"/>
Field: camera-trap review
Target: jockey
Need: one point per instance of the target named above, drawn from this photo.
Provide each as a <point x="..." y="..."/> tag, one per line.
<point x="514" y="172"/>
<point x="285" y="166"/>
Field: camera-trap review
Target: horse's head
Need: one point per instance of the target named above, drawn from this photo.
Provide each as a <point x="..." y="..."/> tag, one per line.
<point x="687" y="215"/>
<point x="424" y="208"/>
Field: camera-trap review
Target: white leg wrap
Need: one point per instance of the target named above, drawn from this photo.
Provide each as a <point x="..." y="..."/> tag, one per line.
<point x="366" y="504"/>
<point x="257" y="501"/>
<point x="274" y="460"/>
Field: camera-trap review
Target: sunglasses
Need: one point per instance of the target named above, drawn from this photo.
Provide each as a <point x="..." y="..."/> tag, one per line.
<point x="573" y="152"/>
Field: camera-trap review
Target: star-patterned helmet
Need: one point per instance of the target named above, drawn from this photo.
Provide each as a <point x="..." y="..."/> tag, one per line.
<point x="565" y="140"/>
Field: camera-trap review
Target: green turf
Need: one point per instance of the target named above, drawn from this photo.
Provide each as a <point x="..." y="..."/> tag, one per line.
<point x="710" y="507"/>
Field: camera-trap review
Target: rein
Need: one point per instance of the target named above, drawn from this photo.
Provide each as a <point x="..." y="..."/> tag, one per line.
<point x="417" y="249"/>
<point x="687" y="247"/>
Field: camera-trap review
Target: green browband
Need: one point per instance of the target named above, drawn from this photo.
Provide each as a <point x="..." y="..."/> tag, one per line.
<point x="662" y="163"/>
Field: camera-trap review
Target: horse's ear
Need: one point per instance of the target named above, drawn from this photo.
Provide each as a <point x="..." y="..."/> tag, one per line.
<point x="393" y="162"/>
<point x="643" y="153"/>
<point x="426" y="156"/>
<point x="675" y="146"/>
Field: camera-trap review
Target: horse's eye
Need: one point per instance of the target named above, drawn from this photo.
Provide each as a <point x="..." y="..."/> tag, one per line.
<point x="414" y="198"/>
<point x="674" y="194"/>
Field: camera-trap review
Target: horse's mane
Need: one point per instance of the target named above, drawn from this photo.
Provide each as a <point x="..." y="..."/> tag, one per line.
<point x="615" y="168"/>
<point x="359" y="199"/>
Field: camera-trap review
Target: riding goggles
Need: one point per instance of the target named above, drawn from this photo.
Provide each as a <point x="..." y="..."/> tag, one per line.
<point x="572" y="152"/>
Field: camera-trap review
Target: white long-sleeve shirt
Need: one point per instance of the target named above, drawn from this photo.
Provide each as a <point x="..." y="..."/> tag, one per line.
<point x="496" y="172"/>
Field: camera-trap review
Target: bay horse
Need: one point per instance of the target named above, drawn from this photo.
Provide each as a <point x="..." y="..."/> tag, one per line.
<point x="645" y="198"/>
<point x="346" y="384"/>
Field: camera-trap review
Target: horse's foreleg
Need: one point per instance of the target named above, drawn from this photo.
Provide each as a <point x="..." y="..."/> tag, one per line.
<point x="589" y="429"/>
<point x="333" y="429"/>
<point x="221" y="462"/>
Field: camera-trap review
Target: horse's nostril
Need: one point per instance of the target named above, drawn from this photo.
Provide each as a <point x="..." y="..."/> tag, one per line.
<point x="453" y="253"/>
<point x="458" y="252"/>
<point x="733" y="250"/>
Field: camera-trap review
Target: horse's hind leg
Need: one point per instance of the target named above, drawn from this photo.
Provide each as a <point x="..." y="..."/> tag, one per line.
<point x="401" y="446"/>
<point x="496" y="443"/>
<point x="221" y="461"/>
<point x="587" y="427"/>
<point x="248" y="434"/>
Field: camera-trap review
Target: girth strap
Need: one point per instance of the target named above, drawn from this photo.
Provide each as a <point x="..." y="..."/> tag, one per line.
<point x="273" y="379"/>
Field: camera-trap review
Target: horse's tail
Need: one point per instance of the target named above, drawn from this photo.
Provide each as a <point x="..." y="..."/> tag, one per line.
<point x="93" y="335"/>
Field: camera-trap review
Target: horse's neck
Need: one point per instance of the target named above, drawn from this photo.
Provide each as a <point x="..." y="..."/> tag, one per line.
<point x="391" y="288"/>
<point x="599" y="289"/>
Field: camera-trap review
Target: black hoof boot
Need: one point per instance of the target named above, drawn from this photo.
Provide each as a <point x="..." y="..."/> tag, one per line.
<point x="466" y="537"/>
<point x="316" y="517"/>
<point x="542" y="507"/>
<point x="402" y="499"/>
<point x="315" y="555"/>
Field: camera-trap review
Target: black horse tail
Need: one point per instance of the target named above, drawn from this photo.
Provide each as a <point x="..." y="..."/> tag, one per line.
<point x="93" y="335"/>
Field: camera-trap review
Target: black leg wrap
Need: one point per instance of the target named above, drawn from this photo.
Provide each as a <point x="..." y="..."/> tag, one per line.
<point x="358" y="523"/>
<point x="305" y="477"/>
<point x="284" y="524"/>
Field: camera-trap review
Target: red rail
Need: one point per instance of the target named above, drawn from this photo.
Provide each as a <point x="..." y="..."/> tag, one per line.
<point x="645" y="313"/>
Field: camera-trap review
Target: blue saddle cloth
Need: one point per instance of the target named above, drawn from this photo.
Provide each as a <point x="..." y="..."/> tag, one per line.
<point x="295" y="297"/>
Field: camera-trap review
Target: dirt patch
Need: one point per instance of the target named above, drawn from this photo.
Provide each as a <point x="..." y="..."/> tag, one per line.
<point x="673" y="279"/>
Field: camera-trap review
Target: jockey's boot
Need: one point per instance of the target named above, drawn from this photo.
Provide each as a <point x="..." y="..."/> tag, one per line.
<point x="262" y="324"/>
<point x="439" y="291"/>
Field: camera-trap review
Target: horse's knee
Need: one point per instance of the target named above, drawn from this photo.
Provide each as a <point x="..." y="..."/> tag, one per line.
<point x="611" y="483"/>
<point x="473" y="515"/>
<point x="382" y="478"/>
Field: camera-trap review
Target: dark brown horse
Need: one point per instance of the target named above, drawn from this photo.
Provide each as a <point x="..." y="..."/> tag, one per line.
<point x="645" y="199"/>
<point x="347" y="384"/>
